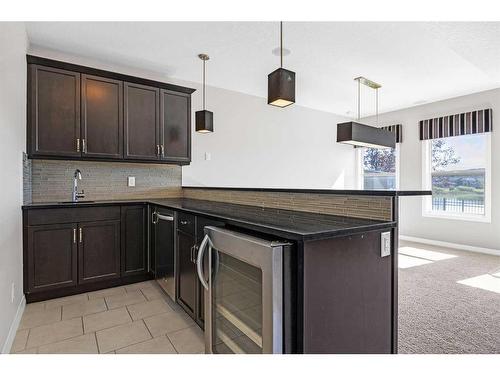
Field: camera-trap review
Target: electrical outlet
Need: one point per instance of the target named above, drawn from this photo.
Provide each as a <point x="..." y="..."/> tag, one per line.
<point x="385" y="244"/>
<point x="208" y="156"/>
<point x="131" y="181"/>
<point x="12" y="292"/>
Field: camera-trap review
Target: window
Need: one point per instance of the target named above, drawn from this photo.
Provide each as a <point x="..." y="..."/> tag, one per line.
<point x="457" y="170"/>
<point x="378" y="168"/>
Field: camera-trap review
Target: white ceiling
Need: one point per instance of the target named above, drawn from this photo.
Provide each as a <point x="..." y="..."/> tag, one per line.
<point x="414" y="62"/>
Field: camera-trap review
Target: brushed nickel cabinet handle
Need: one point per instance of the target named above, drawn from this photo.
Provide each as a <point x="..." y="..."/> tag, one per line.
<point x="84" y="146"/>
<point x="80" y="232"/>
<point x="74" y="235"/>
<point x="162" y="151"/>
<point x="78" y="145"/>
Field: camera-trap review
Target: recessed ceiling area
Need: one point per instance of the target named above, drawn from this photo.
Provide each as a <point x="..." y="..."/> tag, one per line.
<point x="415" y="62"/>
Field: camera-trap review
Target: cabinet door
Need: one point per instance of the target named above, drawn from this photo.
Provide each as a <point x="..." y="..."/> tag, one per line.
<point x="53" y="112"/>
<point x="102" y="117"/>
<point x="141" y="119"/>
<point x="98" y="251"/>
<point x="187" y="279"/>
<point x="134" y="240"/>
<point x="52" y="256"/>
<point x="175" y="126"/>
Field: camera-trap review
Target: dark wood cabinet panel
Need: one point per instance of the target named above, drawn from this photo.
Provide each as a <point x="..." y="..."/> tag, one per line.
<point x="87" y="113"/>
<point x="175" y="126"/>
<point x="102" y="117"/>
<point x="353" y="262"/>
<point x="134" y="240"/>
<point x="53" y="112"/>
<point x="98" y="251"/>
<point x="141" y="122"/>
<point x="52" y="256"/>
<point x="187" y="278"/>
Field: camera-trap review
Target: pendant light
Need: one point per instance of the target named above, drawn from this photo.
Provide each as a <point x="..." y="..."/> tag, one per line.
<point x="361" y="135"/>
<point x="281" y="82"/>
<point x="204" y="119"/>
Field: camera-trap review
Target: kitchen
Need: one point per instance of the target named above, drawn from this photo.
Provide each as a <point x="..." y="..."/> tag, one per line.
<point x="165" y="209"/>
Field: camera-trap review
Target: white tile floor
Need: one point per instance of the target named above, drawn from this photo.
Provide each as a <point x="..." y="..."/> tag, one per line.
<point x="132" y="319"/>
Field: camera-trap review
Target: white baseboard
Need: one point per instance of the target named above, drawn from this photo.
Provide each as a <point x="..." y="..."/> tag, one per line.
<point x="475" y="249"/>
<point x="14" y="326"/>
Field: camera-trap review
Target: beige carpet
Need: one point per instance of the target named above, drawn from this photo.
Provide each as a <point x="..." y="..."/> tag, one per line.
<point x="449" y="301"/>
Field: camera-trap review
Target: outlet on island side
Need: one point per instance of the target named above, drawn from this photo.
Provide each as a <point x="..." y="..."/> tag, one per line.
<point x="131" y="181"/>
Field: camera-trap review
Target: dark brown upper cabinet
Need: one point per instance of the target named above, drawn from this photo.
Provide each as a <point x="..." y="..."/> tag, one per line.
<point x="77" y="112"/>
<point x="102" y="117"/>
<point x="175" y="126"/>
<point x="142" y="119"/>
<point x="53" y="112"/>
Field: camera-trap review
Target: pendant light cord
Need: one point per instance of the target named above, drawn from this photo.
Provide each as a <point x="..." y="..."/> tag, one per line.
<point x="281" y="44"/>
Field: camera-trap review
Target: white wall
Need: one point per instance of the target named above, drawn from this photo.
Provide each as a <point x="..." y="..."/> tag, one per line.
<point x="257" y="145"/>
<point x="12" y="144"/>
<point x="412" y="222"/>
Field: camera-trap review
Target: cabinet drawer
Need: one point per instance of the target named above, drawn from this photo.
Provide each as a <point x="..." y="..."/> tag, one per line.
<point x="186" y="223"/>
<point x="72" y="215"/>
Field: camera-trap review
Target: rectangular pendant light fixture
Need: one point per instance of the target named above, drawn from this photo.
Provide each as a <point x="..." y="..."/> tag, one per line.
<point x="204" y="121"/>
<point x="361" y="135"/>
<point x="356" y="134"/>
<point x="281" y="82"/>
<point x="281" y="87"/>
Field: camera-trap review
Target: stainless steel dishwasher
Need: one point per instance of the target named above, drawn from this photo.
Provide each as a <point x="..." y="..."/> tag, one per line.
<point x="163" y="245"/>
<point x="243" y="292"/>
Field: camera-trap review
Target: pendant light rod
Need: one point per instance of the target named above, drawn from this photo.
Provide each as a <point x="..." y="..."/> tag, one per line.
<point x="281" y="44"/>
<point x="204" y="57"/>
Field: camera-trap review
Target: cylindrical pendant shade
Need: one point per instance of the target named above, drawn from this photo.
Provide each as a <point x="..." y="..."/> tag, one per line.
<point x="281" y="88"/>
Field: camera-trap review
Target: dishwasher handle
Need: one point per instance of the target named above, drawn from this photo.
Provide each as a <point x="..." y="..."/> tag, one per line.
<point x="156" y="217"/>
<point x="199" y="260"/>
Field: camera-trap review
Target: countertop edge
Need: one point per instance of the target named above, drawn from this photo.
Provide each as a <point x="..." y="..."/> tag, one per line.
<point x="382" y="193"/>
<point x="265" y="228"/>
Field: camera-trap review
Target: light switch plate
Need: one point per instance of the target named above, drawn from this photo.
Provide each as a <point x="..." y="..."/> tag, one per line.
<point x="131" y="181"/>
<point x="208" y="156"/>
<point x="385" y="244"/>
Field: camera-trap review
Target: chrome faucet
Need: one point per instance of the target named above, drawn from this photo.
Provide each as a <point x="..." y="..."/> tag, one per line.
<point x="75" y="194"/>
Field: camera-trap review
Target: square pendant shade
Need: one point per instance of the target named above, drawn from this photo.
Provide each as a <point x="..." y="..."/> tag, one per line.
<point x="281" y="88"/>
<point x="204" y="121"/>
<point x="361" y="135"/>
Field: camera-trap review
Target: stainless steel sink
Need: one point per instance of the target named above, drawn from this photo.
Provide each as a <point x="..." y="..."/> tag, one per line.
<point x="79" y="202"/>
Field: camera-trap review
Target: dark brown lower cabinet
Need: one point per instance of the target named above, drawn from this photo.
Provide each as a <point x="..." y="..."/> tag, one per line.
<point x="187" y="279"/>
<point x="52" y="256"/>
<point x="134" y="240"/>
<point x="98" y="251"/>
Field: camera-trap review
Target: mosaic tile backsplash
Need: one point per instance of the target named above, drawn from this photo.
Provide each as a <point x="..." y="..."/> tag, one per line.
<point x="52" y="180"/>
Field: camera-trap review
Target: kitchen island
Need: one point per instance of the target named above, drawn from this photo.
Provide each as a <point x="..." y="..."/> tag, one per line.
<point x="339" y="288"/>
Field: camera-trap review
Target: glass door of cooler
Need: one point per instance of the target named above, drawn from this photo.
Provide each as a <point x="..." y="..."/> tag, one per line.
<point x="243" y="296"/>
<point x="236" y="306"/>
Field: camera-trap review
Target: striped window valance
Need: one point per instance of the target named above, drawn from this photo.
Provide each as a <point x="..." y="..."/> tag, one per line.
<point x="397" y="129"/>
<point x="460" y="124"/>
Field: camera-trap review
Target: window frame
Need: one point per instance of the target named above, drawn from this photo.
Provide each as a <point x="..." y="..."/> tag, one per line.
<point x="360" y="167"/>
<point x="427" y="185"/>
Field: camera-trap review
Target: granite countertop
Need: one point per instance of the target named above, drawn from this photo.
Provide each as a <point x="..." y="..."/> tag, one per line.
<point x="292" y="225"/>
